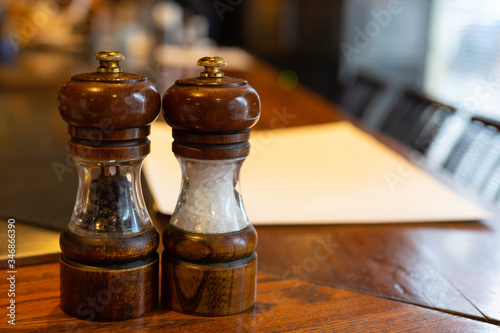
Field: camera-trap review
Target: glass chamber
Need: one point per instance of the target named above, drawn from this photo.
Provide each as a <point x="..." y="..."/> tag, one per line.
<point x="109" y="200"/>
<point x="210" y="200"/>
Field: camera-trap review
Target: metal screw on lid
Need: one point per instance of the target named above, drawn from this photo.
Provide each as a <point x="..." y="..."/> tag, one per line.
<point x="212" y="65"/>
<point x="109" y="61"/>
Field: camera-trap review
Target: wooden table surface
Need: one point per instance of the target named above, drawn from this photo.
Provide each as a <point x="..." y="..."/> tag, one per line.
<point x="429" y="277"/>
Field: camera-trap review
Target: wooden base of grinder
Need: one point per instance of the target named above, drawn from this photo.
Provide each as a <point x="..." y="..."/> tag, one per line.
<point x="209" y="274"/>
<point x="109" y="293"/>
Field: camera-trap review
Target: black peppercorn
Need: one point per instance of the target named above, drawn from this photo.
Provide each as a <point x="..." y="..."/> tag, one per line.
<point x="108" y="199"/>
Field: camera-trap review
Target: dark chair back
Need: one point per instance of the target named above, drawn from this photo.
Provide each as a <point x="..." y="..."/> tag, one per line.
<point x="491" y="188"/>
<point x="415" y="120"/>
<point x="432" y="121"/>
<point x="475" y="159"/>
<point x="359" y="94"/>
<point x="471" y="147"/>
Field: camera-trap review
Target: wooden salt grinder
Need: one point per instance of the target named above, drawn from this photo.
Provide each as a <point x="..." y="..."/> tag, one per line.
<point x="109" y="264"/>
<point x="209" y="269"/>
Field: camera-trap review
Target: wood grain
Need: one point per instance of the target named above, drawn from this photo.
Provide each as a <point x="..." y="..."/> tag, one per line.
<point x="451" y="266"/>
<point x="211" y="116"/>
<point x="378" y="260"/>
<point x="213" y="248"/>
<point x="106" y="251"/>
<point x="124" y="103"/>
<point x="209" y="274"/>
<point x="108" y="116"/>
<point x="208" y="289"/>
<point x="100" y="293"/>
<point x="106" y="279"/>
<point x="211" y="105"/>
<point x="282" y="306"/>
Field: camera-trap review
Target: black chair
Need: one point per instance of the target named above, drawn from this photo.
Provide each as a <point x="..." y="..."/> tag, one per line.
<point x="475" y="159"/>
<point x="432" y="121"/>
<point x="414" y="120"/>
<point x="491" y="188"/>
<point x="359" y="94"/>
<point x="473" y="142"/>
<point x="482" y="178"/>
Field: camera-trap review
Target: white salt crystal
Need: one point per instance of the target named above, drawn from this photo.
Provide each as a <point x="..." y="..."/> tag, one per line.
<point x="210" y="201"/>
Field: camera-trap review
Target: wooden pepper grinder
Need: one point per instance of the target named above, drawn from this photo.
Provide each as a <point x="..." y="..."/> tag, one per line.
<point x="109" y="263"/>
<point x="209" y="262"/>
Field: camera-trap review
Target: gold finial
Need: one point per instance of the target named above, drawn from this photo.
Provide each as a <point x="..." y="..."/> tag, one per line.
<point x="212" y="65"/>
<point x="109" y="61"/>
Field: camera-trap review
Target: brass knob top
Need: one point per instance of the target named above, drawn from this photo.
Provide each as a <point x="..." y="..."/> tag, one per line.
<point x="212" y="65"/>
<point x="109" y="61"/>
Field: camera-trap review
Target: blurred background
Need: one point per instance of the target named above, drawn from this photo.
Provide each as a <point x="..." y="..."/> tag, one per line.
<point x="442" y="47"/>
<point x="447" y="50"/>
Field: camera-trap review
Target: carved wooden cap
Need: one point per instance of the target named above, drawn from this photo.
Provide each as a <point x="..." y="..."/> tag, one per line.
<point x="211" y="114"/>
<point x="109" y="112"/>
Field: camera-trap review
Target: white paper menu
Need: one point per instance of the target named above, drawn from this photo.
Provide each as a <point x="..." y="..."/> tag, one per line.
<point x="322" y="174"/>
